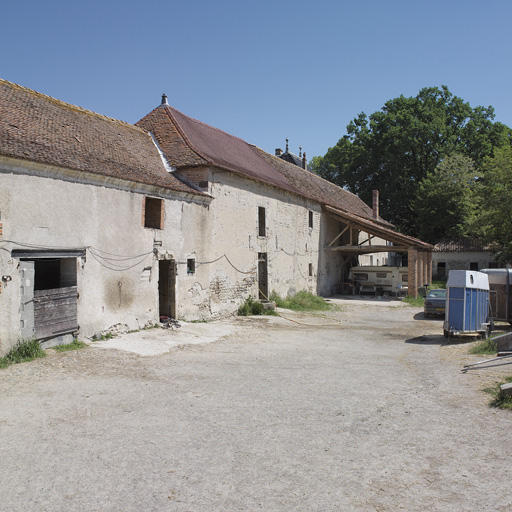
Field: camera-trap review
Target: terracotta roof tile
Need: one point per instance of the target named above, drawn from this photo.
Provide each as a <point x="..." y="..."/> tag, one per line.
<point x="187" y="142"/>
<point x="39" y="128"/>
<point x="460" y="245"/>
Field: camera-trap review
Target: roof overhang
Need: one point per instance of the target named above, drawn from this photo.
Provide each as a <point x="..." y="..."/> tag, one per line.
<point x="401" y="242"/>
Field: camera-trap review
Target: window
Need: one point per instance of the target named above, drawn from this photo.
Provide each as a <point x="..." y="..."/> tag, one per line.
<point x="262" y="229"/>
<point x="441" y="269"/>
<point x="311" y="270"/>
<point x="191" y="265"/>
<point x="311" y="220"/>
<point x="473" y="265"/>
<point x="153" y="213"/>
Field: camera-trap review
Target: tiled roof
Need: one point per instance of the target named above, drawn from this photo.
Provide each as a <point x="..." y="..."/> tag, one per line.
<point x="42" y="129"/>
<point x="460" y="245"/>
<point x="187" y="142"/>
<point x="314" y="187"/>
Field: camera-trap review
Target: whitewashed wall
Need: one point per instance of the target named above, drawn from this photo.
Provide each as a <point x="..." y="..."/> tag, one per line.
<point x="71" y="212"/>
<point x="230" y="257"/>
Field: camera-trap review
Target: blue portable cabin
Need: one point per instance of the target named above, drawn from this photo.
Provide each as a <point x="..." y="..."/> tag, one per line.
<point x="467" y="303"/>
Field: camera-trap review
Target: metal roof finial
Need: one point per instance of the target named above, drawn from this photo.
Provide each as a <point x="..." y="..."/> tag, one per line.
<point x="286" y="145"/>
<point x="164" y="99"/>
<point x="300" y="151"/>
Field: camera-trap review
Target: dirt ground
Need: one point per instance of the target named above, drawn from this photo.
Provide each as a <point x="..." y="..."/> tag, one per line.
<point x="360" y="408"/>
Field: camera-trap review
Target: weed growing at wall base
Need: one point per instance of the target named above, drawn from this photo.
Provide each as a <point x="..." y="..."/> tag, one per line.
<point x="254" y="307"/>
<point x="301" y="301"/>
<point x="24" y="350"/>
<point x="74" y="345"/>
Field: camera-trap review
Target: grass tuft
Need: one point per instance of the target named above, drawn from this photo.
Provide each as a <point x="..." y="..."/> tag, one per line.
<point x="418" y="302"/>
<point x="502" y="403"/>
<point x="74" y="345"/>
<point x="487" y="346"/>
<point x="254" y="307"/>
<point x="24" y="350"/>
<point x="302" y="301"/>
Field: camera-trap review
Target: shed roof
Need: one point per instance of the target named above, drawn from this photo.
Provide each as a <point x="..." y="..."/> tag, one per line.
<point x="42" y="129"/>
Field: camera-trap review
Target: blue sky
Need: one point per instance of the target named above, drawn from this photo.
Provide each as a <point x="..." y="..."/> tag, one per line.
<point x="263" y="71"/>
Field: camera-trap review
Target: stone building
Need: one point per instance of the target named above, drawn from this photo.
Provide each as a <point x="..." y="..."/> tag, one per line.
<point x="105" y="224"/>
<point x="460" y="254"/>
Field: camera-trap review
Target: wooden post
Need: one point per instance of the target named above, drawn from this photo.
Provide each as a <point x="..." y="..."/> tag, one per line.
<point x="412" y="284"/>
<point x="429" y="267"/>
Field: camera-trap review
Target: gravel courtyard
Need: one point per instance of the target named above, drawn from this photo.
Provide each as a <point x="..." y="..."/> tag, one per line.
<point x="361" y="408"/>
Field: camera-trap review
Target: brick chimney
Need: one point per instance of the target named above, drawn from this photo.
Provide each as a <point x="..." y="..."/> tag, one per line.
<point x="375" y="204"/>
<point x="279" y="151"/>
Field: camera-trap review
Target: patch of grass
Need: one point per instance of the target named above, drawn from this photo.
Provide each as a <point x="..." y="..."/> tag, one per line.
<point x="418" y="302"/>
<point x="24" y="350"/>
<point x="74" y="345"/>
<point x="302" y="301"/>
<point x="254" y="307"/>
<point x="487" y="346"/>
<point x="438" y="284"/>
<point x="502" y="403"/>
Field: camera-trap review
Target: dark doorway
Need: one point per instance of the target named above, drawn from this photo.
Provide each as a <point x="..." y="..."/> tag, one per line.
<point x="262" y="276"/>
<point x="167" y="288"/>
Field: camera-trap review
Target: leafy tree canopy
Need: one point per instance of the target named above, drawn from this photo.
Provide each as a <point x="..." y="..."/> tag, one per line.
<point x="494" y="219"/>
<point x="445" y="204"/>
<point x="394" y="150"/>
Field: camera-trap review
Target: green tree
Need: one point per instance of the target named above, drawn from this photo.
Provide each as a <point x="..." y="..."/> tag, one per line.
<point x="445" y="203"/>
<point x="494" y="220"/>
<point x="394" y="149"/>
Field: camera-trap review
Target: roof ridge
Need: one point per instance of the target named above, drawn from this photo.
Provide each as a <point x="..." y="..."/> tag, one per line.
<point x="209" y="126"/>
<point x="70" y="106"/>
<point x="168" y="109"/>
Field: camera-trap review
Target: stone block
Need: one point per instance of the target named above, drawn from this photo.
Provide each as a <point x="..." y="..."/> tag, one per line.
<point x="504" y="342"/>
<point x="506" y="390"/>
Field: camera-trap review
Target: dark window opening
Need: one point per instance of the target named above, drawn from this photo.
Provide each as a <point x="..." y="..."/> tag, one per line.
<point x="311" y="270"/>
<point x="262" y="229"/>
<point x="441" y="269"/>
<point x="50" y="274"/>
<point x="311" y="220"/>
<point x="153" y="209"/>
<point x="191" y="266"/>
<point x="473" y="265"/>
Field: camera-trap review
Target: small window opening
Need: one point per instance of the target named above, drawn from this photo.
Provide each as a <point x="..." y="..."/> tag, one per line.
<point x="153" y="209"/>
<point x="311" y="270"/>
<point x="262" y="229"/>
<point x="311" y="220"/>
<point x="473" y="265"/>
<point x="191" y="266"/>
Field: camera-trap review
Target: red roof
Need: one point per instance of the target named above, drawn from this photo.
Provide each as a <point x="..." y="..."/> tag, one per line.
<point x="187" y="143"/>
<point x="42" y="129"/>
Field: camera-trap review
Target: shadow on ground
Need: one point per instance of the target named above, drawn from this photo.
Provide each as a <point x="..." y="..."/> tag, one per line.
<point x="437" y="339"/>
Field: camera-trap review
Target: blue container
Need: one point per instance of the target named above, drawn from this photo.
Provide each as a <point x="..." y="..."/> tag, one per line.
<point x="467" y="303"/>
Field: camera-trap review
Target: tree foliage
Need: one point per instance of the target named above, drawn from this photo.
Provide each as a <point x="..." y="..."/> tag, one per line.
<point x="494" y="219"/>
<point x="445" y="203"/>
<point x="396" y="150"/>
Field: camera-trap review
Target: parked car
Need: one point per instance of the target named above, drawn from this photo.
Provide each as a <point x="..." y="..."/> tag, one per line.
<point x="435" y="303"/>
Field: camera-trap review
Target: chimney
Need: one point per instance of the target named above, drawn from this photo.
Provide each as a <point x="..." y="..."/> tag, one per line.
<point x="164" y="100"/>
<point x="375" y="204"/>
<point x="304" y="161"/>
<point x="279" y="151"/>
